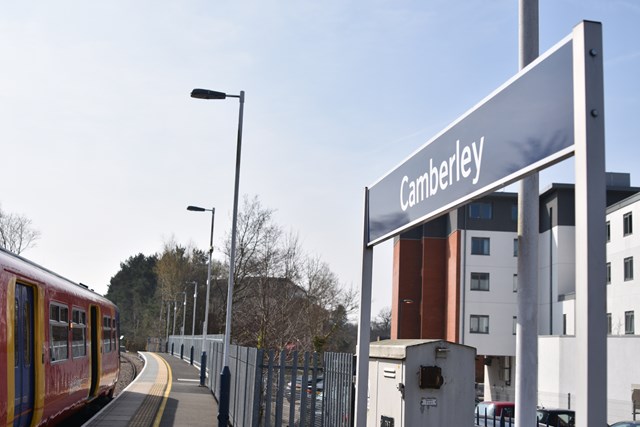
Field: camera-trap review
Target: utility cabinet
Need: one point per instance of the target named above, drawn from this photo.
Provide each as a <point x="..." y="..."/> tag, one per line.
<point x="420" y="383"/>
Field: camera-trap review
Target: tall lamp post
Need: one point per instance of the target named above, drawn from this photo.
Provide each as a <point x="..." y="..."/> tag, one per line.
<point x="203" y="357"/>
<point x="193" y="322"/>
<point x="225" y="375"/>
<point x="184" y="314"/>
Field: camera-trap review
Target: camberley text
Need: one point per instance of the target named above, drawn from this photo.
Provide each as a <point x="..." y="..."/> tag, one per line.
<point x="454" y="168"/>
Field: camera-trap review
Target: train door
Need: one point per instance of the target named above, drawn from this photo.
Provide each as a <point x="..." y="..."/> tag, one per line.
<point x="24" y="369"/>
<point x="95" y="350"/>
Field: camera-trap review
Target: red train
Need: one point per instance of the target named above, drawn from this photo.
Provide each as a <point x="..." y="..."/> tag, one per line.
<point x="58" y="344"/>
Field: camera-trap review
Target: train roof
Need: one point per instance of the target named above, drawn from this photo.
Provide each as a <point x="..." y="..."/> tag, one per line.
<point x="45" y="270"/>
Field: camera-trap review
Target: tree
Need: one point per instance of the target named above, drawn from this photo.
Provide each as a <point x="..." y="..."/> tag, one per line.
<point x="133" y="290"/>
<point x="381" y="325"/>
<point x="282" y="298"/>
<point x="16" y="232"/>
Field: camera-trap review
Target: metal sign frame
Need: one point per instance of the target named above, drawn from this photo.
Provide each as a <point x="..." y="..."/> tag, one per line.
<point x="590" y="197"/>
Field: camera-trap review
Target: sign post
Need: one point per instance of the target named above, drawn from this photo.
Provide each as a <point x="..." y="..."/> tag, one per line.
<point x="551" y="108"/>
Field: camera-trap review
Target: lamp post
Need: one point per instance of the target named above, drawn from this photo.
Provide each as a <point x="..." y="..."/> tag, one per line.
<point x="225" y="375"/>
<point x="168" y="317"/>
<point x="203" y="357"/>
<point x="175" y="312"/>
<point x="184" y="314"/>
<point x="193" y="322"/>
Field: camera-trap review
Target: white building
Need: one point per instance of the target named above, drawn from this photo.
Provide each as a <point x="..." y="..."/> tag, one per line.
<point x="455" y="278"/>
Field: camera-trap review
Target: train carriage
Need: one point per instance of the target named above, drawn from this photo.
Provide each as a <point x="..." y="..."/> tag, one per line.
<point x="58" y="344"/>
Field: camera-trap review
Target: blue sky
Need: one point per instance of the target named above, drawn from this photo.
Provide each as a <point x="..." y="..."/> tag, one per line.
<point x="103" y="148"/>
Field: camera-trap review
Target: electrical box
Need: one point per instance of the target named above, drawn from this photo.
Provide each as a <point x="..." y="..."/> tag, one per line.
<point x="420" y="382"/>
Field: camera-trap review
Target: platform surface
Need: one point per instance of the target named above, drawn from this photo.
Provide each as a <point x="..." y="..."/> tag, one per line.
<point x="166" y="393"/>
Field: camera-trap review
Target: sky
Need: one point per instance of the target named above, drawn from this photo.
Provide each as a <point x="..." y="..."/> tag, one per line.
<point x="103" y="149"/>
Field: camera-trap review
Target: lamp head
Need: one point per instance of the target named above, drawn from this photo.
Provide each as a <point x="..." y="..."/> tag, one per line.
<point x="207" y="94"/>
<point x="195" y="208"/>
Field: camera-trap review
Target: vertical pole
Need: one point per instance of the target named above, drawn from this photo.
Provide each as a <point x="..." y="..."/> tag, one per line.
<point x="193" y="322"/>
<point x="364" y="323"/>
<point x="168" y="317"/>
<point x="175" y="312"/>
<point x="225" y="375"/>
<point x="203" y="356"/>
<point x="184" y="314"/>
<point x="590" y="196"/>
<point x="528" y="235"/>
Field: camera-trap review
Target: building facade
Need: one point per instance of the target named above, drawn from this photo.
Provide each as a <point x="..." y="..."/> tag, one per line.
<point x="455" y="277"/>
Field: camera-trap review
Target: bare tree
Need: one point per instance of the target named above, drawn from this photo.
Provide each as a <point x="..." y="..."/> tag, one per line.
<point x="381" y="325"/>
<point x="282" y="298"/>
<point x="16" y="232"/>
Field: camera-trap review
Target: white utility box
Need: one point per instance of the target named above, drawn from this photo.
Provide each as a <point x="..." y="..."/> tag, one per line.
<point x="420" y="383"/>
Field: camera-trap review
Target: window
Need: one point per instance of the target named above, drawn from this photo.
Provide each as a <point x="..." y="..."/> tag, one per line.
<point x="58" y="332"/>
<point x="515" y="247"/>
<point x="564" y="324"/>
<point x="78" y="333"/>
<point x="609" y="323"/>
<point x="627" y="221"/>
<point x="514" y="212"/>
<point x="515" y="283"/>
<point x="479" y="281"/>
<point x="608" y="273"/>
<point x="628" y="323"/>
<point x="106" y="334"/>
<point x="479" y="324"/>
<point x="480" y="210"/>
<point x="480" y="246"/>
<point x="628" y="268"/>
<point x="608" y="231"/>
<point x="515" y="325"/>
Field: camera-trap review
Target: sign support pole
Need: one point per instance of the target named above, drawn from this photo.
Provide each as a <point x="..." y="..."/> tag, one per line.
<point x="590" y="194"/>
<point x="364" y="323"/>
<point x="528" y="235"/>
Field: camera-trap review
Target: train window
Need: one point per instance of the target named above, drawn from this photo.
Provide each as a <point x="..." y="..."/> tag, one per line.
<point x="113" y="333"/>
<point x="106" y="334"/>
<point x="58" y="332"/>
<point x="78" y="333"/>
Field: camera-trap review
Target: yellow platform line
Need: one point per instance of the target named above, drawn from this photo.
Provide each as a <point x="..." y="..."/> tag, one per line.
<point x="155" y="401"/>
<point x="156" y="423"/>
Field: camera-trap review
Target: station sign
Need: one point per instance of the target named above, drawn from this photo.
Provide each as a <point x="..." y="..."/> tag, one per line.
<point x="525" y="125"/>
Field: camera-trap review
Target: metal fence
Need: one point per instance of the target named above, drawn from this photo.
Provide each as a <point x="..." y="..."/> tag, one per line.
<point x="275" y="389"/>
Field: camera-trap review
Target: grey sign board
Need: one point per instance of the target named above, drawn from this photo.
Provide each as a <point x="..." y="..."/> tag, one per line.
<point x="525" y="125"/>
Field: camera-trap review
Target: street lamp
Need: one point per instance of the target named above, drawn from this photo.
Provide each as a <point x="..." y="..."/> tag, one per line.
<point x="193" y="323"/>
<point x="203" y="357"/>
<point x="225" y="375"/>
<point x="184" y="313"/>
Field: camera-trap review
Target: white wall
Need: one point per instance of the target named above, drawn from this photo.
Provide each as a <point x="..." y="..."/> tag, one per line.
<point x="623" y="295"/>
<point x="499" y="303"/>
<point x="557" y="376"/>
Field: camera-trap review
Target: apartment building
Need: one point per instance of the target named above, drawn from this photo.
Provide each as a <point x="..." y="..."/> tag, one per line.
<point x="455" y="277"/>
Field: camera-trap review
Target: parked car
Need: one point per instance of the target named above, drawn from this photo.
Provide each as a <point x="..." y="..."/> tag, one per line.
<point x="495" y="409"/>
<point x="319" y="387"/>
<point x="556" y="417"/>
<point x="626" y="424"/>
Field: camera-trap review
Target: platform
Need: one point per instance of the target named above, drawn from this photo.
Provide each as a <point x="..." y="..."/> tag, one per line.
<point x="166" y="393"/>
